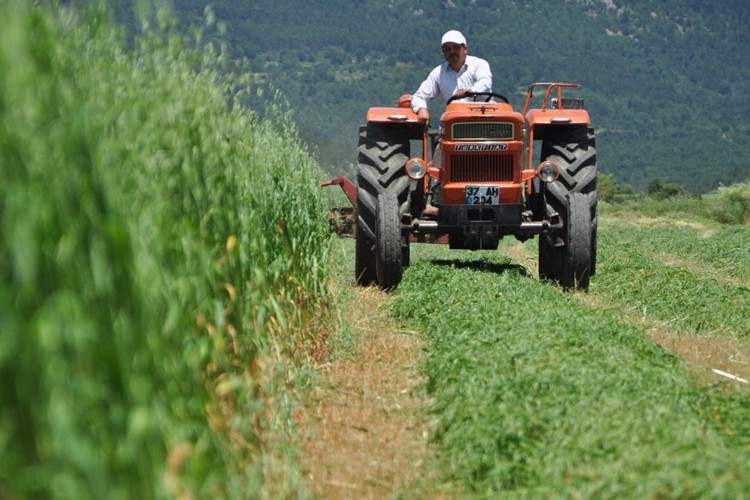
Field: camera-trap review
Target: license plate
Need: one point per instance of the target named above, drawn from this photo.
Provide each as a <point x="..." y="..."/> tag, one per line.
<point x="482" y="195"/>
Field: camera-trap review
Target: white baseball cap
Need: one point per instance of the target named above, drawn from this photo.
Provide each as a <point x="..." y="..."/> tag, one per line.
<point x="453" y="36"/>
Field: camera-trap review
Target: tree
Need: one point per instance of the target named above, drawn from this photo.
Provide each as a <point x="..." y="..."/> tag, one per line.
<point x="606" y="187"/>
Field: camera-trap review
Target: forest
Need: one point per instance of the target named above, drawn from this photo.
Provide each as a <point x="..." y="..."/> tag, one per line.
<point x="664" y="81"/>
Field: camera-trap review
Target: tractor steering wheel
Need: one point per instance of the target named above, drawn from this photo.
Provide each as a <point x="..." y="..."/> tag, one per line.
<point x="488" y="95"/>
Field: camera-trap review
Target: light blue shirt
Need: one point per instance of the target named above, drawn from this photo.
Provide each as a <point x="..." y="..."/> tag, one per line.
<point x="475" y="75"/>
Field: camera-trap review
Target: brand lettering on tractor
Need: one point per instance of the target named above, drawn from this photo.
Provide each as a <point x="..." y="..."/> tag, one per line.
<point x="481" y="147"/>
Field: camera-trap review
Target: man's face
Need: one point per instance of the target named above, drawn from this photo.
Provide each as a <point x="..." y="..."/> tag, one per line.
<point x="455" y="54"/>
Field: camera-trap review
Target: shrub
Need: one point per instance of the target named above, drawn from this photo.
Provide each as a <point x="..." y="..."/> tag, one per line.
<point x="731" y="205"/>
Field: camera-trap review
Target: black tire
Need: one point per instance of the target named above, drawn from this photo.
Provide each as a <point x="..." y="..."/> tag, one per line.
<point x="573" y="148"/>
<point x="566" y="258"/>
<point x="577" y="269"/>
<point x="382" y="153"/>
<point x="388" y="242"/>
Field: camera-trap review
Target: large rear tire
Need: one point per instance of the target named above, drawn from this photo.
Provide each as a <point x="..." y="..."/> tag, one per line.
<point x="381" y="155"/>
<point x="573" y="148"/>
<point x="388" y="242"/>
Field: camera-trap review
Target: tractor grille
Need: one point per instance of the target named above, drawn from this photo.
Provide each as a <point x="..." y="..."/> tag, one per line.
<point x="482" y="168"/>
<point x="487" y="131"/>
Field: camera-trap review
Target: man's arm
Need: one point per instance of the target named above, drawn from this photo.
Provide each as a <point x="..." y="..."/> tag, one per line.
<point x="429" y="90"/>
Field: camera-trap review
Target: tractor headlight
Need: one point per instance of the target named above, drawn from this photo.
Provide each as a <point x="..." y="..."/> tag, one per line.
<point x="416" y="168"/>
<point x="548" y="171"/>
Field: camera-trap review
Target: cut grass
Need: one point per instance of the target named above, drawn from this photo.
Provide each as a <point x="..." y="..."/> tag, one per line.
<point x="706" y="297"/>
<point x="538" y="394"/>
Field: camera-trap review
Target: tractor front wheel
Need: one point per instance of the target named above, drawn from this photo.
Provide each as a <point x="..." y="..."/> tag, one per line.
<point x="578" y="258"/>
<point x="388" y="242"/>
<point x="566" y="258"/>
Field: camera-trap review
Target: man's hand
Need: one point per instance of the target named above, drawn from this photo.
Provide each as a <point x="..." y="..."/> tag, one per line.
<point x="423" y="116"/>
<point x="461" y="93"/>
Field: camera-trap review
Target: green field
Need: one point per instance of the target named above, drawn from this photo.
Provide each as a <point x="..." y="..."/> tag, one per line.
<point x="537" y="393"/>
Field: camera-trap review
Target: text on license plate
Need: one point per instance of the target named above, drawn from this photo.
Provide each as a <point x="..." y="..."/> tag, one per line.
<point x="482" y="195"/>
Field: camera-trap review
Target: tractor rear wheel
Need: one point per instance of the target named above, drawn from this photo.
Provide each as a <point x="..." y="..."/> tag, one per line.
<point x="381" y="155"/>
<point x="388" y="242"/>
<point x="574" y="150"/>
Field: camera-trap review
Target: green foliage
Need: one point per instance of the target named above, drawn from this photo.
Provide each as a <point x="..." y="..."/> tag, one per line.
<point x="537" y="394"/>
<point x="662" y="190"/>
<point x="731" y="205"/>
<point x="606" y="187"/>
<point x="163" y="264"/>
<point x="728" y="205"/>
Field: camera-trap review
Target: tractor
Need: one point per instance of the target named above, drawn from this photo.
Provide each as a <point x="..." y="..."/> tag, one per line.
<point x="499" y="173"/>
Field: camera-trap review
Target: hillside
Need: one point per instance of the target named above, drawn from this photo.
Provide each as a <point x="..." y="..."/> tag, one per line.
<point x="665" y="82"/>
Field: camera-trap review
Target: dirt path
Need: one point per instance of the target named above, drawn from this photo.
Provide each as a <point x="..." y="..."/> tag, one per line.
<point x="366" y="434"/>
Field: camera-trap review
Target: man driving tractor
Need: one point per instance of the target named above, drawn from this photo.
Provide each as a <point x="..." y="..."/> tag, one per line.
<point x="459" y="74"/>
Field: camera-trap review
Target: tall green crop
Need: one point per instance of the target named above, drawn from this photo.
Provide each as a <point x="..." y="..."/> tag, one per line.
<point x="163" y="261"/>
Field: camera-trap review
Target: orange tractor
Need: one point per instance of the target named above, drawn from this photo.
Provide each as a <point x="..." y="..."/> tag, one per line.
<point x="499" y="173"/>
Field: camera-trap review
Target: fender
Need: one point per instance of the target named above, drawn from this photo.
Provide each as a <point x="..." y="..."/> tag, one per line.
<point x="391" y="115"/>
